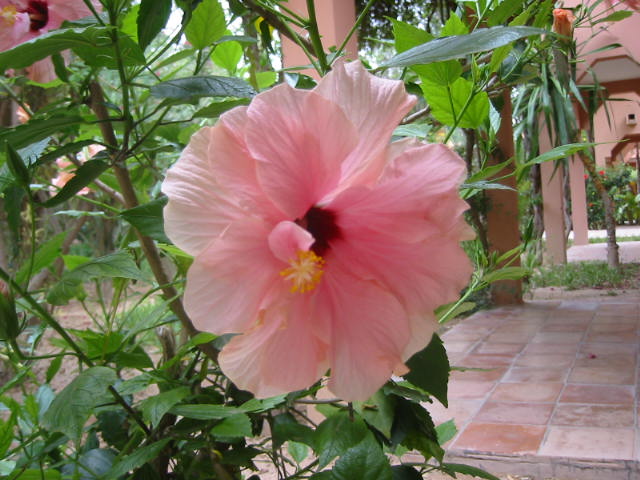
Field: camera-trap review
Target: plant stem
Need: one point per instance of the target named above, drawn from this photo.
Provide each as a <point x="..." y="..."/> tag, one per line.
<point x="316" y="41"/>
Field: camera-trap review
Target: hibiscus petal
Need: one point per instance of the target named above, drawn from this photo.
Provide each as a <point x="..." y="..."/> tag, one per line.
<point x="278" y="355"/>
<point x="370" y="330"/>
<point x="299" y="139"/>
<point x="287" y="239"/>
<point x="375" y="106"/>
<point x="230" y="281"/>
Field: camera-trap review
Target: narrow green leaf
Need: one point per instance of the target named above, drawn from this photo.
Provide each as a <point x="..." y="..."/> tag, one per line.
<point x="53" y="368"/>
<point x="615" y="16"/>
<point x="460" y="46"/>
<point x="152" y="17"/>
<point x="207" y="24"/>
<point x="506" y="273"/>
<point x="216" y="109"/>
<point x="83" y="176"/>
<point x="468" y="470"/>
<point x="17" y="166"/>
<point x="365" y="460"/>
<point x="405" y="472"/>
<point x="73" y="405"/>
<point x="155" y="407"/>
<point x="190" y="88"/>
<point x="46" y="254"/>
<point x="138" y="458"/>
<point x="148" y="219"/>
<point x="563" y="151"/>
<point x="429" y="369"/>
<point x="205" y="411"/>
<point x="66" y="149"/>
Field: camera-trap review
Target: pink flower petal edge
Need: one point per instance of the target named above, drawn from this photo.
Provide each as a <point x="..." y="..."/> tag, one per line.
<point x="320" y="244"/>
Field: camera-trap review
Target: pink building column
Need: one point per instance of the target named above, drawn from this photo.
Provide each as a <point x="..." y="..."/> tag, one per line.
<point x="578" y="202"/>
<point x="335" y="19"/>
<point x="552" y="204"/>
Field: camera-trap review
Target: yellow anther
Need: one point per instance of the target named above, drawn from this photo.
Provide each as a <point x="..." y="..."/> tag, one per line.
<point x="305" y="271"/>
<point x="8" y="14"/>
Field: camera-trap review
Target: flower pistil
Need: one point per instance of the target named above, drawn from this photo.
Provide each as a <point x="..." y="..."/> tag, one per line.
<point x="305" y="271"/>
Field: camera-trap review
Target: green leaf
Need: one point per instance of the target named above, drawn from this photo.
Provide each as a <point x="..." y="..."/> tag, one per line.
<point x="405" y="472"/>
<point x="446" y="431"/>
<point x="37" y="474"/>
<point x="73" y="405"/>
<point x="442" y="73"/>
<point x="17" y="167"/>
<point x="406" y="36"/>
<point x="216" y="109"/>
<point x="66" y="289"/>
<point x="34" y="130"/>
<point x="378" y="412"/>
<point x="119" y="264"/>
<point x="266" y="79"/>
<point x="429" y="369"/>
<point x="298" y="451"/>
<point x="205" y="411"/>
<point x="506" y="273"/>
<point x="563" y="151"/>
<point x="328" y="445"/>
<point x="449" y="48"/>
<point x="148" y="219"/>
<point x="207" y="24"/>
<point x="6" y="434"/>
<point x="91" y="465"/>
<point x="365" y="460"/>
<point x="53" y="368"/>
<point x="138" y="458"/>
<point x="152" y="17"/>
<point x="286" y="428"/>
<point x="190" y="88"/>
<point x="6" y="467"/>
<point x="615" y="16"/>
<point x="459" y="309"/>
<point x="227" y="55"/>
<point x="468" y="470"/>
<point x="83" y="176"/>
<point x="46" y="254"/>
<point x="447" y="103"/>
<point x="503" y="12"/>
<point x="155" y="407"/>
<point x="414" y="429"/>
<point x="94" y="44"/>
<point x="66" y="149"/>
<point x="235" y="426"/>
<point x="454" y="26"/>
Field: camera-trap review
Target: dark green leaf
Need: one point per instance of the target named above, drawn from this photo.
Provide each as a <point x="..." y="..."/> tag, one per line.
<point x="17" y="167"/>
<point x="53" y="368"/>
<point x="148" y="219"/>
<point x="328" y="444"/>
<point x="216" y="109"/>
<point x="66" y="149"/>
<point x="37" y="474"/>
<point x="298" y="451"/>
<point x="83" y="176"/>
<point x="66" y="289"/>
<point x="43" y="258"/>
<point x="405" y="472"/>
<point x="30" y="153"/>
<point x="378" y="411"/>
<point x="414" y="429"/>
<point x="6" y="434"/>
<point x="152" y="17"/>
<point x="365" y="460"/>
<point x="449" y="48"/>
<point x="91" y="465"/>
<point x="119" y="264"/>
<point x="285" y="427"/>
<point x="13" y="200"/>
<point x="155" y="407"/>
<point x="24" y="135"/>
<point x="468" y="470"/>
<point x="190" y="88"/>
<point x="137" y="358"/>
<point x="207" y="24"/>
<point x="235" y="426"/>
<point x="73" y="405"/>
<point x="138" y="458"/>
<point x="429" y="369"/>
<point x="205" y="411"/>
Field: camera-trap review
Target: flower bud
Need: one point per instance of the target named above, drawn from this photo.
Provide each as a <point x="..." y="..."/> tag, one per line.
<point x="563" y="22"/>
<point x="9" y="323"/>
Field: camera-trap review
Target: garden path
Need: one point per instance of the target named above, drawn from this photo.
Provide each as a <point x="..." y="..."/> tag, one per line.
<point x="557" y="395"/>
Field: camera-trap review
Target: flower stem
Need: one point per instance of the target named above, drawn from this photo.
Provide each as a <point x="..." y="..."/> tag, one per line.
<point x="314" y="34"/>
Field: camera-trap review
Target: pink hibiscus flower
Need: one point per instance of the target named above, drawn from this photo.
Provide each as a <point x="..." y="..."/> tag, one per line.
<point x="319" y="242"/>
<point x="22" y="20"/>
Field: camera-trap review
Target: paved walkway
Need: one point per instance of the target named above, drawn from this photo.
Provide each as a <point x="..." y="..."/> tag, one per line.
<point x="558" y="393"/>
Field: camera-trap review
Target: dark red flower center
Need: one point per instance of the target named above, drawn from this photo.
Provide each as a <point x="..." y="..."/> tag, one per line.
<point x="321" y="223"/>
<point x="38" y="11"/>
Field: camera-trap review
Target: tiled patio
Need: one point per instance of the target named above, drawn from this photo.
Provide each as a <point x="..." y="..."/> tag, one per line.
<point x="557" y="395"/>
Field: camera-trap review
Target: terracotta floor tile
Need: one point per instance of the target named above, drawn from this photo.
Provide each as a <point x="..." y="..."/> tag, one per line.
<point x="612" y="416"/>
<point x="562" y="348"/>
<point x="578" y="305"/>
<point x="521" y="413"/>
<point x="484" y="320"/>
<point x="545" y="360"/>
<point x="499" y="348"/>
<point x="608" y="348"/>
<point x="629" y="327"/>
<point x="458" y="346"/>
<point x="604" y="318"/>
<point x="558" y="337"/>
<point x="611" y="360"/>
<point x="603" y="375"/>
<point x="526" y="392"/>
<point x="539" y="375"/>
<point x="500" y="438"/>
<point x="592" y="443"/>
<point x="565" y="327"/>
<point x="612" y="337"/>
<point x="469" y="389"/>
<point x="484" y="375"/>
<point x="481" y="360"/>
<point x="454" y="335"/>
<point x="598" y="394"/>
<point x="509" y="337"/>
